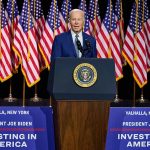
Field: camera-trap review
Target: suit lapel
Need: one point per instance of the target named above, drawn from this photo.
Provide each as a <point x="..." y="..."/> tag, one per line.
<point x="70" y="43"/>
<point x="84" y="38"/>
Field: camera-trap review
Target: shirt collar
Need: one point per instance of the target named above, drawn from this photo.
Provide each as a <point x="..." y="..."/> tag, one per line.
<point x="74" y="34"/>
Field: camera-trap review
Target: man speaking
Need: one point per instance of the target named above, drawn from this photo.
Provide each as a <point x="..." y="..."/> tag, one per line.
<point x="74" y="43"/>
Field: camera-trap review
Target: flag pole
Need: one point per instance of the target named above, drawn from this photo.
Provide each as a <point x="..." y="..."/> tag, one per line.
<point x="84" y="13"/>
<point x="28" y="57"/>
<point x="35" y="98"/>
<point x="121" y="30"/>
<point x="50" y="99"/>
<point x="67" y="15"/>
<point x="109" y="49"/>
<point x="117" y="99"/>
<point x="121" y="24"/>
<point x="142" y="99"/>
<point x="54" y="17"/>
<point x="11" y="99"/>
<point x="24" y="92"/>
<point x="94" y="30"/>
<point x="135" y="55"/>
<point x="0" y="28"/>
<point x="134" y="91"/>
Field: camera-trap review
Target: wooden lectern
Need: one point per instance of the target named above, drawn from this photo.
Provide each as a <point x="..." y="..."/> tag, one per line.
<point x="81" y="114"/>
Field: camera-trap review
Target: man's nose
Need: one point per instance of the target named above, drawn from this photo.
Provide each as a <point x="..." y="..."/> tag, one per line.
<point x="76" y="21"/>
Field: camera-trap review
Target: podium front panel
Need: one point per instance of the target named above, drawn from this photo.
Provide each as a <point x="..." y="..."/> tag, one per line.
<point x="62" y="85"/>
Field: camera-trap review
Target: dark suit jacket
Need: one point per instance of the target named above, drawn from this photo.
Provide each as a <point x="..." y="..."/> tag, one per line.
<point x="63" y="46"/>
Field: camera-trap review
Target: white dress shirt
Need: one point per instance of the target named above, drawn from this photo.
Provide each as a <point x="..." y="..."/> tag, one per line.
<point x="80" y="38"/>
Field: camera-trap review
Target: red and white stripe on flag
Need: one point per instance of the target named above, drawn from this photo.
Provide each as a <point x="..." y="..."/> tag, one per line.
<point x="39" y="22"/>
<point x="39" y="27"/>
<point x="94" y="21"/>
<point x="5" y="53"/>
<point x="147" y="40"/>
<point x="51" y="29"/>
<point x="26" y="47"/>
<point x="12" y="15"/>
<point x="108" y="40"/>
<point x="46" y="42"/>
<point x="140" y="62"/>
<point x="134" y="48"/>
<point x="147" y="31"/>
<point x="109" y="47"/>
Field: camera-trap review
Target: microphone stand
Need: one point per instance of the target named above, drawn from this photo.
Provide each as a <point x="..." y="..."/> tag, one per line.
<point x="80" y="48"/>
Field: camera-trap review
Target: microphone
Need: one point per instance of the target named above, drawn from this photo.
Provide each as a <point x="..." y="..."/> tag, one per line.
<point x="80" y="48"/>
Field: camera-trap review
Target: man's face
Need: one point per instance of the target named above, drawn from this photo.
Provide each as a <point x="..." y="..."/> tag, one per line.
<point x="76" y="21"/>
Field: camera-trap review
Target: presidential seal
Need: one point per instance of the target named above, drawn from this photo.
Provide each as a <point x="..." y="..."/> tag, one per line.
<point x="85" y="75"/>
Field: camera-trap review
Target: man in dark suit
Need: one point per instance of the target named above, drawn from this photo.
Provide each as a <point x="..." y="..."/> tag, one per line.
<point x="74" y="43"/>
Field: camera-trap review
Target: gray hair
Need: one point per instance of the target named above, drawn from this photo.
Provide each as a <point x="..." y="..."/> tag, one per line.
<point x="77" y="10"/>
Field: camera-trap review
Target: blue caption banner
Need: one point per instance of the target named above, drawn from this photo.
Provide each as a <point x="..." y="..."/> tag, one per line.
<point x="128" y="129"/>
<point x="26" y="128"/>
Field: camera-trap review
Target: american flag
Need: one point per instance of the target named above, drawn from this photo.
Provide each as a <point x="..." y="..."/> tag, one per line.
<point x="5" y="51"/>
<point x="108" y="39"/>
<point x="64" y="14"/>
<point x="120" y="20"/>
<point x="39" y="22"/>
<point x="134" y="48"/>
<point x="83" y="7"/>
<point x="94" y="21"/>
<point x="38" y="16"/>
<point x="51" y="29"/>
<point x="120" y="23"/>
<point x="12" y="14"/>
<point x="147" y="32"/>
<point x="26" y="47"/>
<point x="94" y="17"/>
